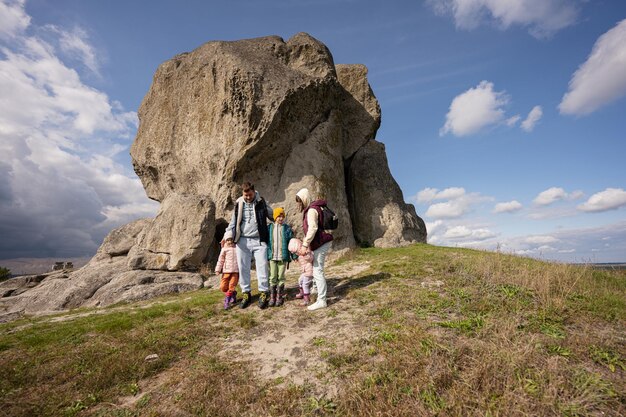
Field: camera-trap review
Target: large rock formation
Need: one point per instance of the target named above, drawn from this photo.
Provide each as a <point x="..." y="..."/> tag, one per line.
<point x="279" y="114"/>
<point x="283" y="116"/>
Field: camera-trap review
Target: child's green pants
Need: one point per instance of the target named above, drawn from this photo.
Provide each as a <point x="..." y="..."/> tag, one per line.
<point x="277" y="272"/>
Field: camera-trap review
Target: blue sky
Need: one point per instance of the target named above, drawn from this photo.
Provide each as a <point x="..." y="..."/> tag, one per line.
<point x="504" y="121"/>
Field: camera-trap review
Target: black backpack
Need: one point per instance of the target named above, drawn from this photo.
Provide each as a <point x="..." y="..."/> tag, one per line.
<point x="330" y="221"/>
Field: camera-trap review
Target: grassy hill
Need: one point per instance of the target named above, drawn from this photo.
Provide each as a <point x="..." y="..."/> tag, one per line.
<point x="421" y="330"/>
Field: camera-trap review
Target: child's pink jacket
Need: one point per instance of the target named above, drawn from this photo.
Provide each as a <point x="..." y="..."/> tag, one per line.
<point x="306" y="264"/>
<point x="227" y="261"/>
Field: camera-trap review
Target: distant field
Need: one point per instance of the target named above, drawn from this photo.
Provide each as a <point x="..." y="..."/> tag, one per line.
<point x="609" y="266"/>
<point x="32" y="266"/>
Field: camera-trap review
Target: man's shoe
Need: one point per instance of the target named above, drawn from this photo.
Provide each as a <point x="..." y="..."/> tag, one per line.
<point x="246" y="298"/>
<point x="263" y="299"/>
<point x="317" y="305"/>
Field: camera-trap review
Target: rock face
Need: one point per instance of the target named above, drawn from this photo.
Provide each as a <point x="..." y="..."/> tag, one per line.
<point x="279" y="114"/>
<point x="99" y="283"/>
<point x="178" y="238"/>
<point x="283" y="116"/>
<point x="119" y="241"/>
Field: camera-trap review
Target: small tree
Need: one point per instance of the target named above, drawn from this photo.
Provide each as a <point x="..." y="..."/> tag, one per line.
<point x="5" y="273"/>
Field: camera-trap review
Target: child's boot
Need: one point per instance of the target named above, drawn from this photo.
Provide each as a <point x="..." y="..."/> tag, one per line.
<point x="226" y="301"/>
<point x="306" y="299"/>
<point x="300" y="293"/>
<point x="233" y="298"/>
<point x="272" y="295"/>
<point x="280" y="295"/>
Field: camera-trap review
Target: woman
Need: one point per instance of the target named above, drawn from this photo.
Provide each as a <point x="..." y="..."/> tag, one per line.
<point x="316" y="240"/>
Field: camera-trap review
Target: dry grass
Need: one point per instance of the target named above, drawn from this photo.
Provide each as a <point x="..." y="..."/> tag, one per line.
<point x="503" y="336"/>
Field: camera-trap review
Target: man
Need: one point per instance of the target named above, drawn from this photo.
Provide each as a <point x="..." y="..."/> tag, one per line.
<point x="248" y="226"/>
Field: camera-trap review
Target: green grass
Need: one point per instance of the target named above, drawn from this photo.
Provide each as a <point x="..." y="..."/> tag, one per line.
<point x="503" y="336"/>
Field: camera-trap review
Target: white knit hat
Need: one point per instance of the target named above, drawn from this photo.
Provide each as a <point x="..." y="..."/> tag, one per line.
<point x="294" y="245"/>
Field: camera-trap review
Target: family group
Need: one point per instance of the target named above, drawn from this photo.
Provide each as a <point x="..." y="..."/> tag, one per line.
<point x="273" y="247"/>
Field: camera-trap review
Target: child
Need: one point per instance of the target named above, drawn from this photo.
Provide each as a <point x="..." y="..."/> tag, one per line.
<point x="278" y="255"/>
<point x="305" y="259"/>
<point x="227" y="266"/>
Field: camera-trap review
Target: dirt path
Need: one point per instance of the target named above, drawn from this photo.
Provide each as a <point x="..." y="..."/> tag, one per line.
<point x="288" y="342"/>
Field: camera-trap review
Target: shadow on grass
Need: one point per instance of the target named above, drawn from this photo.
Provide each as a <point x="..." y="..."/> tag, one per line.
<point x="338" y="288"/>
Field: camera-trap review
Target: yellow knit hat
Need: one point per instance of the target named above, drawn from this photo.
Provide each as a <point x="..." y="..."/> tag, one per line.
<point x="278" y="211"/>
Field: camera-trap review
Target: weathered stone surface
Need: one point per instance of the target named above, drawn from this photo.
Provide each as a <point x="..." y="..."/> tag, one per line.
<point x="18" y="285"/>
<point x="380" y="216"/>
<point x="99" y="283"/>
<point x="62" y="291"/>
<point x="179" y="236"/>
<point x="119" y="241"/>
<point x="279" y="114"/>
<point x="362" y="111"/>
<point x="142" y="285"/>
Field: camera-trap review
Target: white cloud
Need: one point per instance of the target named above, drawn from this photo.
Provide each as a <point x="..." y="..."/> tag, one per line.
<point x="450" y="193"/>
<point x="545" y="213"/>
<point x="554" y="194"/>
<point x="474" y="110"/>
<point x="512" y="121"/>
<point x="542" y="17"/>
<point x="533" y="117"/>
<point x="429" y="194"/>
<point x="62" y="188"/>
<point x="574" y="245"/>
<point x="77" y="44"/>
<point x="540" y="239"/>
<point x="602" y="78"/>
<point x="508" y="207"/>
<point x="459" y="202"/>
<point x="458" y="232"/>
<point x="447" y="210"/>
<point x="426" y="195"/>
<point x="549" y="196"/>
<point x="433" y="227"/>
<point x="609" y="199"/>
<point x="13" y="19"/>
<point x="575" y="195"/>
<point x="464" y="233"/>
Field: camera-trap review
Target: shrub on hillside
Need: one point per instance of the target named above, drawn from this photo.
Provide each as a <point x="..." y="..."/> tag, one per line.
<point x="5" y="273"/>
